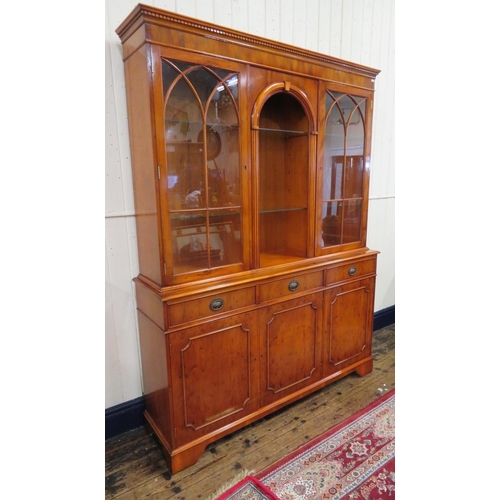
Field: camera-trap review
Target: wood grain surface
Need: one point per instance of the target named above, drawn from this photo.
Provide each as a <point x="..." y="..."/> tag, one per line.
<point x="136" y="469"/>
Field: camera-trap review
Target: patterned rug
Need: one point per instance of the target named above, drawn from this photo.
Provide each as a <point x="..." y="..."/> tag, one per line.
<point x="353" y="460"/>
<point x="249" y="488"/>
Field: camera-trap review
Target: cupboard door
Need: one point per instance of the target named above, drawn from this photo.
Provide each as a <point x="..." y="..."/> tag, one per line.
<point x="349" y="324"/>
<point x="214" y="371"/>
<point x="290" y="341"/>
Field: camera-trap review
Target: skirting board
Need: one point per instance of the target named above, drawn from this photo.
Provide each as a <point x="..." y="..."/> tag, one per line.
<point x="124" y="417"/>
<point x="384" y="317"/>
<point x="129" y="415"/>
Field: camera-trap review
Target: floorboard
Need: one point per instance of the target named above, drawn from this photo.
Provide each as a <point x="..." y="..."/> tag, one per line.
<point x="136" y="469"/>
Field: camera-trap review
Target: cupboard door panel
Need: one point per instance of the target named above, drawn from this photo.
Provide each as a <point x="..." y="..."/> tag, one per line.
<point x="290" y="346"/>
<point x="349" y="324"/>
<point x="214" y="375"/>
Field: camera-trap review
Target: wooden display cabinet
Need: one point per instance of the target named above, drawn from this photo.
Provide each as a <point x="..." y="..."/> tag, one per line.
<point x="250" y="177"/>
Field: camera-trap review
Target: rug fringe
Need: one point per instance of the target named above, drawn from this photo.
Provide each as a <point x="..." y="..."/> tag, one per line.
<point x="231" y="482"/>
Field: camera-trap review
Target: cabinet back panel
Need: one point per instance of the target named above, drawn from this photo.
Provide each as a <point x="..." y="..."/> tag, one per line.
<point x="284" y="233"/>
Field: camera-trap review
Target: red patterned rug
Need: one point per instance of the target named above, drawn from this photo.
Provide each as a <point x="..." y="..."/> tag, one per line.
<point x="353" y="460"/>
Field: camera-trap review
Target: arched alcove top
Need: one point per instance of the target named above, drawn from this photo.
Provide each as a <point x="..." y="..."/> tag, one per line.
<point x="293" y="90"/>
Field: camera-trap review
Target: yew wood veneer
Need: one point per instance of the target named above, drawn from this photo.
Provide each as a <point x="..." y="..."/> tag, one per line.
<point x="251" y="170"/>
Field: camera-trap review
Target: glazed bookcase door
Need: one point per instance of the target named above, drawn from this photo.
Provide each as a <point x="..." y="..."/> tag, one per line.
<point x="344" y="156"/>
<point x="201" y="137"/>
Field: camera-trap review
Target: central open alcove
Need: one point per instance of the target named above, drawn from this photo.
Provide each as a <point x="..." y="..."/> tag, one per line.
<point x="283" y="170"/>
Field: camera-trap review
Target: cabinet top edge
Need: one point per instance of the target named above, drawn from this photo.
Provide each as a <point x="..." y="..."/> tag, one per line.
<point x="146" y="14"/>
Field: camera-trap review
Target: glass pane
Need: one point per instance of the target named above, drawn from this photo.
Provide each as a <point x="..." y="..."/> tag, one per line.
<point x="189" y="242"/>
<point x="355" y="129"/>
<point x="333" y="155"/>
<point x="332" y="223"/>
<point x="183" y="114"/>
<point x="186" y="177"/>
<point x="343" y="168"/>
<point x="225" y="238"/>
<point x="204" y="84"/>
<point x="352" y="221"/>
<point x="223" y="152"/>
<point x="355" y="150"/>
<point x="185" y="163"/>
<point x="354" y="177"/>
<point x="224" y="183"/>
<point x="171" y="70"/>
<point x="202" y="140"/>
<point x="195" y="248"/>
<point x="223" y="104"/>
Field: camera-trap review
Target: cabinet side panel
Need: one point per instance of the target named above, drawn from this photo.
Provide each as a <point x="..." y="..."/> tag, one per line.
<point x="155" y="375"/>
<point x="143" y="163"/>
<point x="150" y="305"/>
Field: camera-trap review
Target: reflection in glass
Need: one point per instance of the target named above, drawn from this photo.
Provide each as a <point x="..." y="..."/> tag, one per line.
<point x="343" y="168"/>
<point x="199" y="242"/>
<point x="332" y="223"/>
<point x="353" y="177"/>
<point x="202" y="141"/>
<point x="352" y="221"/>
<point x="226" y="236"/>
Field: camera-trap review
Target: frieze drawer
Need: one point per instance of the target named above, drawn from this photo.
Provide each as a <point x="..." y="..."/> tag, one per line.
<point x="291" y="285"/>
<point x="351" y="271"/>
<point x="209" y="305"/>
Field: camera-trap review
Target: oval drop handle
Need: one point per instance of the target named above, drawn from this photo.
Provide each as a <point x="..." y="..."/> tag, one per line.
<point x="294" y="284"/>
<point x="216" y="304"/>
<point x="352" y="271"/>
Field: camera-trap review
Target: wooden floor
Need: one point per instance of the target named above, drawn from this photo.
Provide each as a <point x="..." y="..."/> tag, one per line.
<point x="135" y="468"/>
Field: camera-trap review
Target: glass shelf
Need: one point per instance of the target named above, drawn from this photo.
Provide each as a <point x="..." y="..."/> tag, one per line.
<point x="272" y="211"/>
<point x="178" y="215"/>
<point x="283" y="131"/>
<point x="200" y="125"/>
<point x="338" y="200"/>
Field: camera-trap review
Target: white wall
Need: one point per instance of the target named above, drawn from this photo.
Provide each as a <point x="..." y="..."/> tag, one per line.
<point x="361" y="31"/>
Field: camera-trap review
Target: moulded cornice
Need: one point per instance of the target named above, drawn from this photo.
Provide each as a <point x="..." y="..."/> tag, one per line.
<point x="154" y="15"/>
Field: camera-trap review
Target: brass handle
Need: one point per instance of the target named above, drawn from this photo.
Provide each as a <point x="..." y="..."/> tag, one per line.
<point x="352" y="271"/>
<point x="294" y="284"/>
<point x="216" y="304"/>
